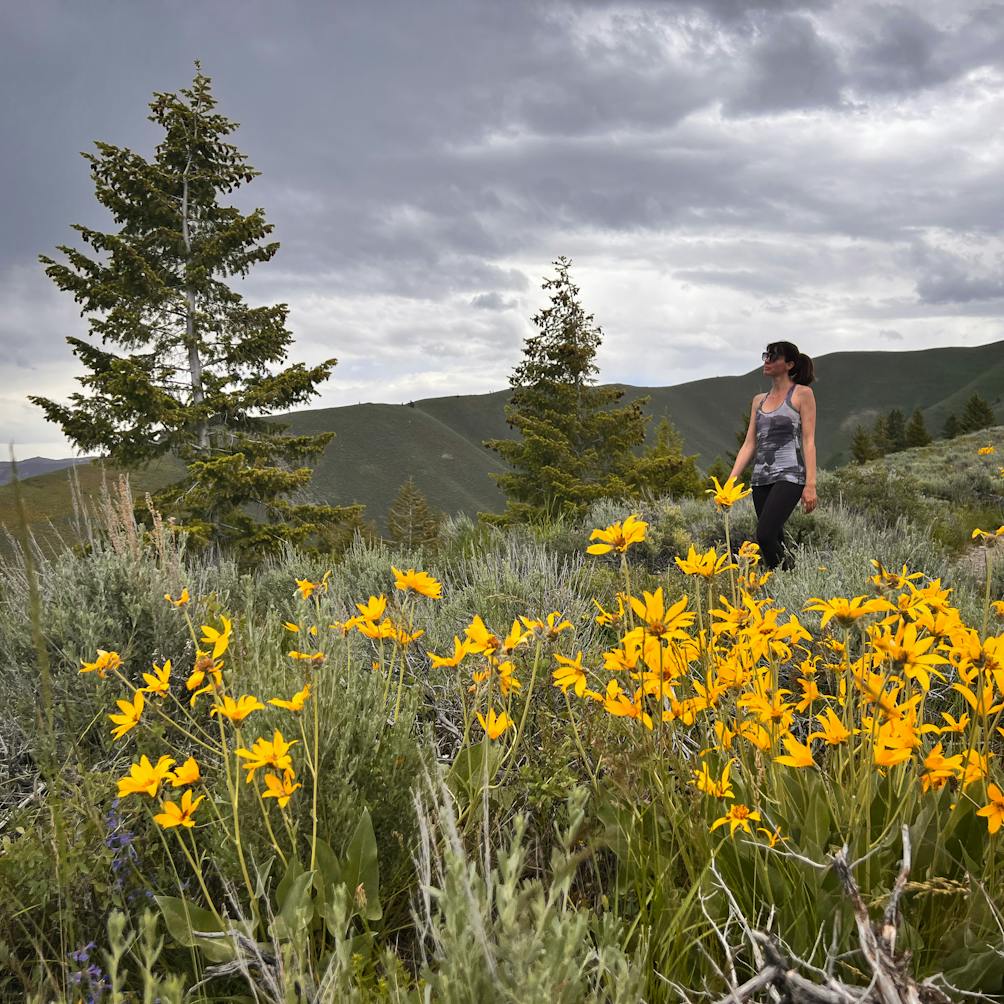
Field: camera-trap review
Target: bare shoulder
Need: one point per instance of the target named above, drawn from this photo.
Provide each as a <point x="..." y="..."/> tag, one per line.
<point x="802" y="395"/>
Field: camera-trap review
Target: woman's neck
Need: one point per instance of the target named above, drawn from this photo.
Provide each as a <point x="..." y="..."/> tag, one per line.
<point x="781" y="383"/>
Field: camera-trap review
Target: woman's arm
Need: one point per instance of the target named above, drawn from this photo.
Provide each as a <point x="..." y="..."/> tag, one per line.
<point x="748" y="449"/>
<point x="807" y="411"/>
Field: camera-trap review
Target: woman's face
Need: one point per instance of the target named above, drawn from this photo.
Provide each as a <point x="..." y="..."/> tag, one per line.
<point x="774" y="364"/>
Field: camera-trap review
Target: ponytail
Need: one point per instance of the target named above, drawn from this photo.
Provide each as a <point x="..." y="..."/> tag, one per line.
<point x="802" y="371"/>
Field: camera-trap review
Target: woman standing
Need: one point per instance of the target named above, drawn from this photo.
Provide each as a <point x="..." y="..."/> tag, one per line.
<point x="781" y="443"/>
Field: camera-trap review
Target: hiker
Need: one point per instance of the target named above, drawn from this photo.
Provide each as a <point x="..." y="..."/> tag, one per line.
<point x="781" y="443"/>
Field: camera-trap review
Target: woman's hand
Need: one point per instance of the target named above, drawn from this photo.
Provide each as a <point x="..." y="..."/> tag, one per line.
<point x="809" y="497"/>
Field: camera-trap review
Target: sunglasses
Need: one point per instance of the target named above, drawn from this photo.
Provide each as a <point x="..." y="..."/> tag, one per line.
<point x="769" y="357"/>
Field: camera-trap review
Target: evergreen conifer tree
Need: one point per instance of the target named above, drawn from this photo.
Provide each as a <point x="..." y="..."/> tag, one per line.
<point x="952" y="428"/>
<point x="178" y="362"/>
<point x="663" y="469"/>
<point x="410" y="521"/>
<point x="977" y="414"/>
<point x="881" y="443"/>
<point x="862" y="447"/>
<point x="895" y="429"/>
<point x="574" y="447"/>
<point x="916" y="430"/>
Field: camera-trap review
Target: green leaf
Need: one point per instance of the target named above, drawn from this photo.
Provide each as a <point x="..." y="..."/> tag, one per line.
<point x="295" y="907"/>
<point x="473" y="768"/>
<point x="184" y="920"/>
<point x="361" y="869"/>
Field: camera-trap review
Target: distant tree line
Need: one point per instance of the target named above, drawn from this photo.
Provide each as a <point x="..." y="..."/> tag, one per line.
<point x="892" y="432"/>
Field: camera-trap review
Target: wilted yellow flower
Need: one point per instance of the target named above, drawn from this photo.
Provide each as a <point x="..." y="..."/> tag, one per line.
<point x="739" y="815"/>
<point x="994" y="810"/>
<point x="798" y="755"/>
<point x="604" y="618"/>
<point x="988" y="535"/>
<point x="173" y="815"/>
<point x="306" y="588"/>
<point x="220" y="640"/>
<point x="312" y="657"/>
<point x="460" y="651"/>
<point x="280" y="790"/>
<point x="418" y="582"/>
<point x="729" y="493"/>
<point x="550" y="627"/>
<point x="187" y="773"/>
<point x="749" y="550"/>
<point x="144" y="778"/>
<point x="159" y="681"/>
<point x="105" y="662"/>
<point x="180" y="601"/>
<point x="618" y="536"/>
<point x="237" y="710"/>
<point x="570" y="674"/>
<point x="773" y="836"/>
<point x="263" y="753"/>
<point x="494" y="725"/>
<point x="205" y="666"/>
<point x="130" y="715"/>
<point x="997" y="606"/>
<point x="296" y="703"/>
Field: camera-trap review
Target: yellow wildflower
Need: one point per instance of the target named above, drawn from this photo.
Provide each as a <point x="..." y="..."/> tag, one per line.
<point x="494" y="725"/>
<point x="704" y="781"/>
<point x="986" y="451"/>
<point x="988" y="535"/>
<point x="550" y="627"/>
<point x="374" y="608"/>
<point x="130" y="715"/>
<point x="739" y="815"/>
<point x="267" y="754"/>
<point x="845" y="612"/>
<point x="105" y="662"/>
<point x="187" y="773"/>
<point x="418" y="582"/>
<point x="994" y="810"/>
<point x="180" y="601"/>
<point x="570" y="674"/>
<point x="706" y="565"/>
<point x="311" y="657"/>
<point x="834" y="731"/>
<point x="280" y="790"/>
<point x="237" y="710"/>
<point x="479" y="639"/>
<point x="144" y="778"/>
<point x="618" y="536"/>
<point x="295" y="703"/>
<point x="798" y="755"/>
<point x="729" y="493"/>
<point x="220" y="640"/>
<point x="159" y="681"/>
<point x="662" y="621"/>
<point x="450" y="661"/>
<point x="173" y="815"/>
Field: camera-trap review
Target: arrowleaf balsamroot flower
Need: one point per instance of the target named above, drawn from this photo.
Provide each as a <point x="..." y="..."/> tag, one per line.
<point x="105" y="662"/>
<point x="739" y="815"/>
<point x="263" y="753"/>
<point x="460" y="651"/>
<point x="173" y="815"/>
<point x="994" y="810"/>
<point x="131" y="712"/>
<point x="570" y="674"/>
<point x="720" y="788"/>
<point x="237" y="710"/>
<point x="159" y="681"/>
<point x="480" y="639"/>
<point x="707" y="565"/>
<point x="295" y="703"/>
<point x="986" y="451"/>
<point x="834" y="731"/>
<point x="180" y="600"/>
<point x="144" y="778"/>
<point x="729" y="493"/>
<point x="618" y="536"/>
<point x="187" y="773"/>
<point x="374" y="608"/>
<point x="988" y="535"/>
<point x="798" y="755"/>
<point x="280" y="790"/>
<point x="220" y="640"/>
<point x="418" y="582"/>
<point x="494" y="725"/>
<point x="845" y="612"/>
<point x="660" y="621"/>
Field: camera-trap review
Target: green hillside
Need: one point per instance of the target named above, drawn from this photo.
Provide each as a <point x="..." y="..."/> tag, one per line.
<point x="439" y="441"/>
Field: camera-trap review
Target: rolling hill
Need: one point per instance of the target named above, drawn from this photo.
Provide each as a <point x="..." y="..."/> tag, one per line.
<point x="439" y="441"/>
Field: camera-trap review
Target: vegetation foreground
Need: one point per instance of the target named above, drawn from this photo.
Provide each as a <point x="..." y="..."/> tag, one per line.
<point x="610" y="761"/>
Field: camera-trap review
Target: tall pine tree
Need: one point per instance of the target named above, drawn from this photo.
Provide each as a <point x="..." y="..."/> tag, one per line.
<point x="862" y="447"/>
<point x="976" y="415"/>
<point x="895" y="427"/>
<point x="178" y="363"/>
<point x="574" y="446"/>
<point x="916" y="430"/>
<point x="664" y="469"/>
<point x="410" y="521"/>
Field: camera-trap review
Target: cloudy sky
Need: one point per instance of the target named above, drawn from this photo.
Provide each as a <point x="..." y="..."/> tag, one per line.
<point x="721" y="173"/>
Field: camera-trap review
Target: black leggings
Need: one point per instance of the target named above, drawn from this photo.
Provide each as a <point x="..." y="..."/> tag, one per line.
<point x="774" y="504"/>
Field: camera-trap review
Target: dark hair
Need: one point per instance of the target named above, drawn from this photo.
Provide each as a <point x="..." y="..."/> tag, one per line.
<point x="800" y="367"/>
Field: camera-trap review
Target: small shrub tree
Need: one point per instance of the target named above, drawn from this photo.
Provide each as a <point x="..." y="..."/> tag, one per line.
<point x="977" y="414"/>
<point x="410" y="521"/>
<point x="916" y="430"/>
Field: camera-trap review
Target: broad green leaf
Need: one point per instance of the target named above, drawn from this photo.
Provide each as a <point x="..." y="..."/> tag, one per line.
<point x="473" y="768"/>
<point x="361" y="869"/>
<point x="295" y="908"/>
<point x="184" y="919"/>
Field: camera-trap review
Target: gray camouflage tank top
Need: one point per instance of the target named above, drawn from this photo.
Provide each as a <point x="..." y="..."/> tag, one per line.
<point x="778" y="454"/>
